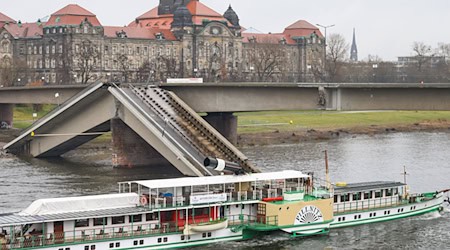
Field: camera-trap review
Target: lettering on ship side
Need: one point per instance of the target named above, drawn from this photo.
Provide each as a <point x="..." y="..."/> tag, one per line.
<point x="308" y="214"/>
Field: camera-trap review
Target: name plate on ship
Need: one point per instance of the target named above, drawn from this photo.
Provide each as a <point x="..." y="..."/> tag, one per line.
<point x="208" y="198"/>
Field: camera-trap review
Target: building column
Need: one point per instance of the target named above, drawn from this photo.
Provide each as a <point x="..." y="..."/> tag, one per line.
<point x="130" y="150"/>
<point x="225" y="123"/>
<point x="6" y="116"/>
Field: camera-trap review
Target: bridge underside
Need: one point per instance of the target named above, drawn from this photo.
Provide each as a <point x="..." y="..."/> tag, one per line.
<point x="150" y="126"/>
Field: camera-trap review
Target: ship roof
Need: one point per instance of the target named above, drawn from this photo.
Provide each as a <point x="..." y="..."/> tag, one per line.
<point x="220" y="179"/>
<point x="366" y="186"/>
<point x="16" y="219"/>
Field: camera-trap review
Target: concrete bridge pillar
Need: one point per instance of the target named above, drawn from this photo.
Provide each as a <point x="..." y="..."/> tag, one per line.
<point x="225" y="123"/>
<point x="130" y="150"/>
<point x="6" y="116"/>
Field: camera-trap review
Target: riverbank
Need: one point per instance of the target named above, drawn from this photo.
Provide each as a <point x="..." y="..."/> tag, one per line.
<point x="315" y="134"/>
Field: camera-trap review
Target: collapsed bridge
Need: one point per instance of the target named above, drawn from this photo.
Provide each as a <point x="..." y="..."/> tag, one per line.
<point x="149" y="125"/>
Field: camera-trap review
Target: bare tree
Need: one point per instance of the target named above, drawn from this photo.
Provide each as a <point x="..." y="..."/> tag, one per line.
<point x="87" y="57"/>
<point x="423" y="54"/>
<point x="124" y="65"/>
<point x="336" y="55"/>
<point x="266" y="58"/>
<point x="11" y="71"/>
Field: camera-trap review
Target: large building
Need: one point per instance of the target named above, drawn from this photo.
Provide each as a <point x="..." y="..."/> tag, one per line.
<point x="177" y="38"/>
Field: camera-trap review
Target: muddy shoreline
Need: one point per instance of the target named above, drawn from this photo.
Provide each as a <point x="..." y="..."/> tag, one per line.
<point x="282" y="137"/>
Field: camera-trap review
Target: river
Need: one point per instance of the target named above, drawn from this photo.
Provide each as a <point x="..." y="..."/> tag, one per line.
<point x="351" y="159"/>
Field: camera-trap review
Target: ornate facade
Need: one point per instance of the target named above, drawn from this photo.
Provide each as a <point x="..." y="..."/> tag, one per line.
<point x="178" y="38"/>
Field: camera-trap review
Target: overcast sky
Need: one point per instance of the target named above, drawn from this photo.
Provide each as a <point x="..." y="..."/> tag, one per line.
<point x="386" y="28"/>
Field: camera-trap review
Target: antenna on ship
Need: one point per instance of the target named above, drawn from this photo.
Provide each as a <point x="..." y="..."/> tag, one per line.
<point x="405" y="194"/>
<point x="404" y="174"/>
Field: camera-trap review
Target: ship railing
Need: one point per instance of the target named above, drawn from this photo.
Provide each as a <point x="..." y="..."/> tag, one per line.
<point x="88" y="235"/>
<point x="252" y="220"/>
<point x="361" y="205"/>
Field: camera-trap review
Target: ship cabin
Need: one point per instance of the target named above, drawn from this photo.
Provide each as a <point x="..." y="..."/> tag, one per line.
<point x="150" y="208"/>
<point x="367" y="195"/>
<point x="186" y="201"/>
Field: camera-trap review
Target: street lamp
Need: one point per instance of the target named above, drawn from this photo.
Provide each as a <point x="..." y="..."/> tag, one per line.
<point x="325" y="52"/>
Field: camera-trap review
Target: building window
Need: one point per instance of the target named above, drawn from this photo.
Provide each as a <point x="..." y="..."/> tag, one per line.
<point x="138" y="50"/>
<point x="118" y="220"/>
<point x="47" y="49"/>
<point x="106" y="49"/>
<point x="53" y="49"/>
<point x="40" y="50"/>
<point x="85" y="29"/>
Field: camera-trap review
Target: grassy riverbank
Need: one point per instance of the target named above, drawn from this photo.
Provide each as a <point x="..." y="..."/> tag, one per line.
<point x="257" y="122"/>
<point x="294" y="126"/>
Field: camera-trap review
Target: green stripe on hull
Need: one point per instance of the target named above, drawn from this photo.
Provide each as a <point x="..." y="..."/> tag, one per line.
<point x="386" y="218"/>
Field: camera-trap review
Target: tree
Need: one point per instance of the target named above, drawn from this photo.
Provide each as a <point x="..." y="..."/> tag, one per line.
<point x="124" y="65"/>
<point x="337" y="48"/>
<point x="87" y="58"/>
<point x="11" y="71"/>
<point x="266" y="57"/>
<point x="423" y="54"/>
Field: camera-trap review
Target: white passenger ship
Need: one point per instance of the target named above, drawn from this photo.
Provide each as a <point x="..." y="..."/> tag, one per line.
<point x="173" y="213"/>
<point x="184" y="212"/>
<point x="362" y="203"/>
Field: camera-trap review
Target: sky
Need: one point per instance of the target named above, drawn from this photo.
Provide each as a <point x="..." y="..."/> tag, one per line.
<point x="386" y="28"/>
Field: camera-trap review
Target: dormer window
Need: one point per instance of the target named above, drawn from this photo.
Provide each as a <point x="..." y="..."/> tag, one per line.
<point x="121" y="34"/>
<point x="159" y="36"/>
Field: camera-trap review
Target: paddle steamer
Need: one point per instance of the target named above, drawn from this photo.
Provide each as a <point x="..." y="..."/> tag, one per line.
<point x="190" y="211"/>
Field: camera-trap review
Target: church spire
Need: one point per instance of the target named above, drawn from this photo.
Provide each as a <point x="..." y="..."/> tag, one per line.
<point x="354" y="49"/>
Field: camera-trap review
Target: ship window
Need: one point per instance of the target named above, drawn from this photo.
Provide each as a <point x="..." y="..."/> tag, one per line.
<point x="204" y="235"/>
<point x="159" y="240"/>
<point x="395" y="191"/>
<point x="141" y="242"/>
<point x="151" y="216"/>
<point x="111" y="245"/>
<point x="135" y="218"/>
<point x="99" y="221"/>
<point x="359" y="216"/>
<point x="118" y="220"/>
<point x="135" y="243"/>
<point x="67" y="248"/>
<point x="82" y="223"/>
<point x="165" y="239"/>
<point x="209" y="234"/>
<point x="335" y="198"/>
<point x="117" y="244"/>
<point x="86" y="247"/>
<point x="367" y="195"/>
<point x="182" y="237"/>
<point x="345" y="198"/>
<point x="388" y="192"/>
<point x="356" y="217"/>
<point x="92" y="247"/>
<point x="377" y="194"/>
<point x="357" y="196"/>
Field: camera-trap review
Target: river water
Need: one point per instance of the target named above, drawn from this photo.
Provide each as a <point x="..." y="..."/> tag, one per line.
<point x="351" y="159"/>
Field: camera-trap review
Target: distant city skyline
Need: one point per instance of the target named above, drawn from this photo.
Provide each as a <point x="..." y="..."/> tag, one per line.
<point x="384" y="28"/>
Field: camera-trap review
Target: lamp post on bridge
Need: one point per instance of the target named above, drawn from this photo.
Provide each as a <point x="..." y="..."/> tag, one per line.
<point x="325" y="27"/>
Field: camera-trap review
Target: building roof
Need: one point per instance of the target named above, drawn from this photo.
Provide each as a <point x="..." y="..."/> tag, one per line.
<point x="72" y="14"/>
<point x="220" y="179"/>
<point x="6" y="19"/>
<point x="366" y="186"/>
<point x="266" y="38"/>
<point x="302" y="28"/>
<point x="199" y="11"/>
<point x="24" y="30"/>
<point x="131" y="32"/>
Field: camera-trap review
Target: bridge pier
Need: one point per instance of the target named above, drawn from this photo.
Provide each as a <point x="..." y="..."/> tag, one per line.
<point x="225" y="123"/>
<point x="130" y="150"/>
<point x="6" y="116"/>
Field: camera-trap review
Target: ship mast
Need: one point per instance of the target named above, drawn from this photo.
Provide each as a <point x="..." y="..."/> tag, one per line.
<point x="327" y="172"/>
